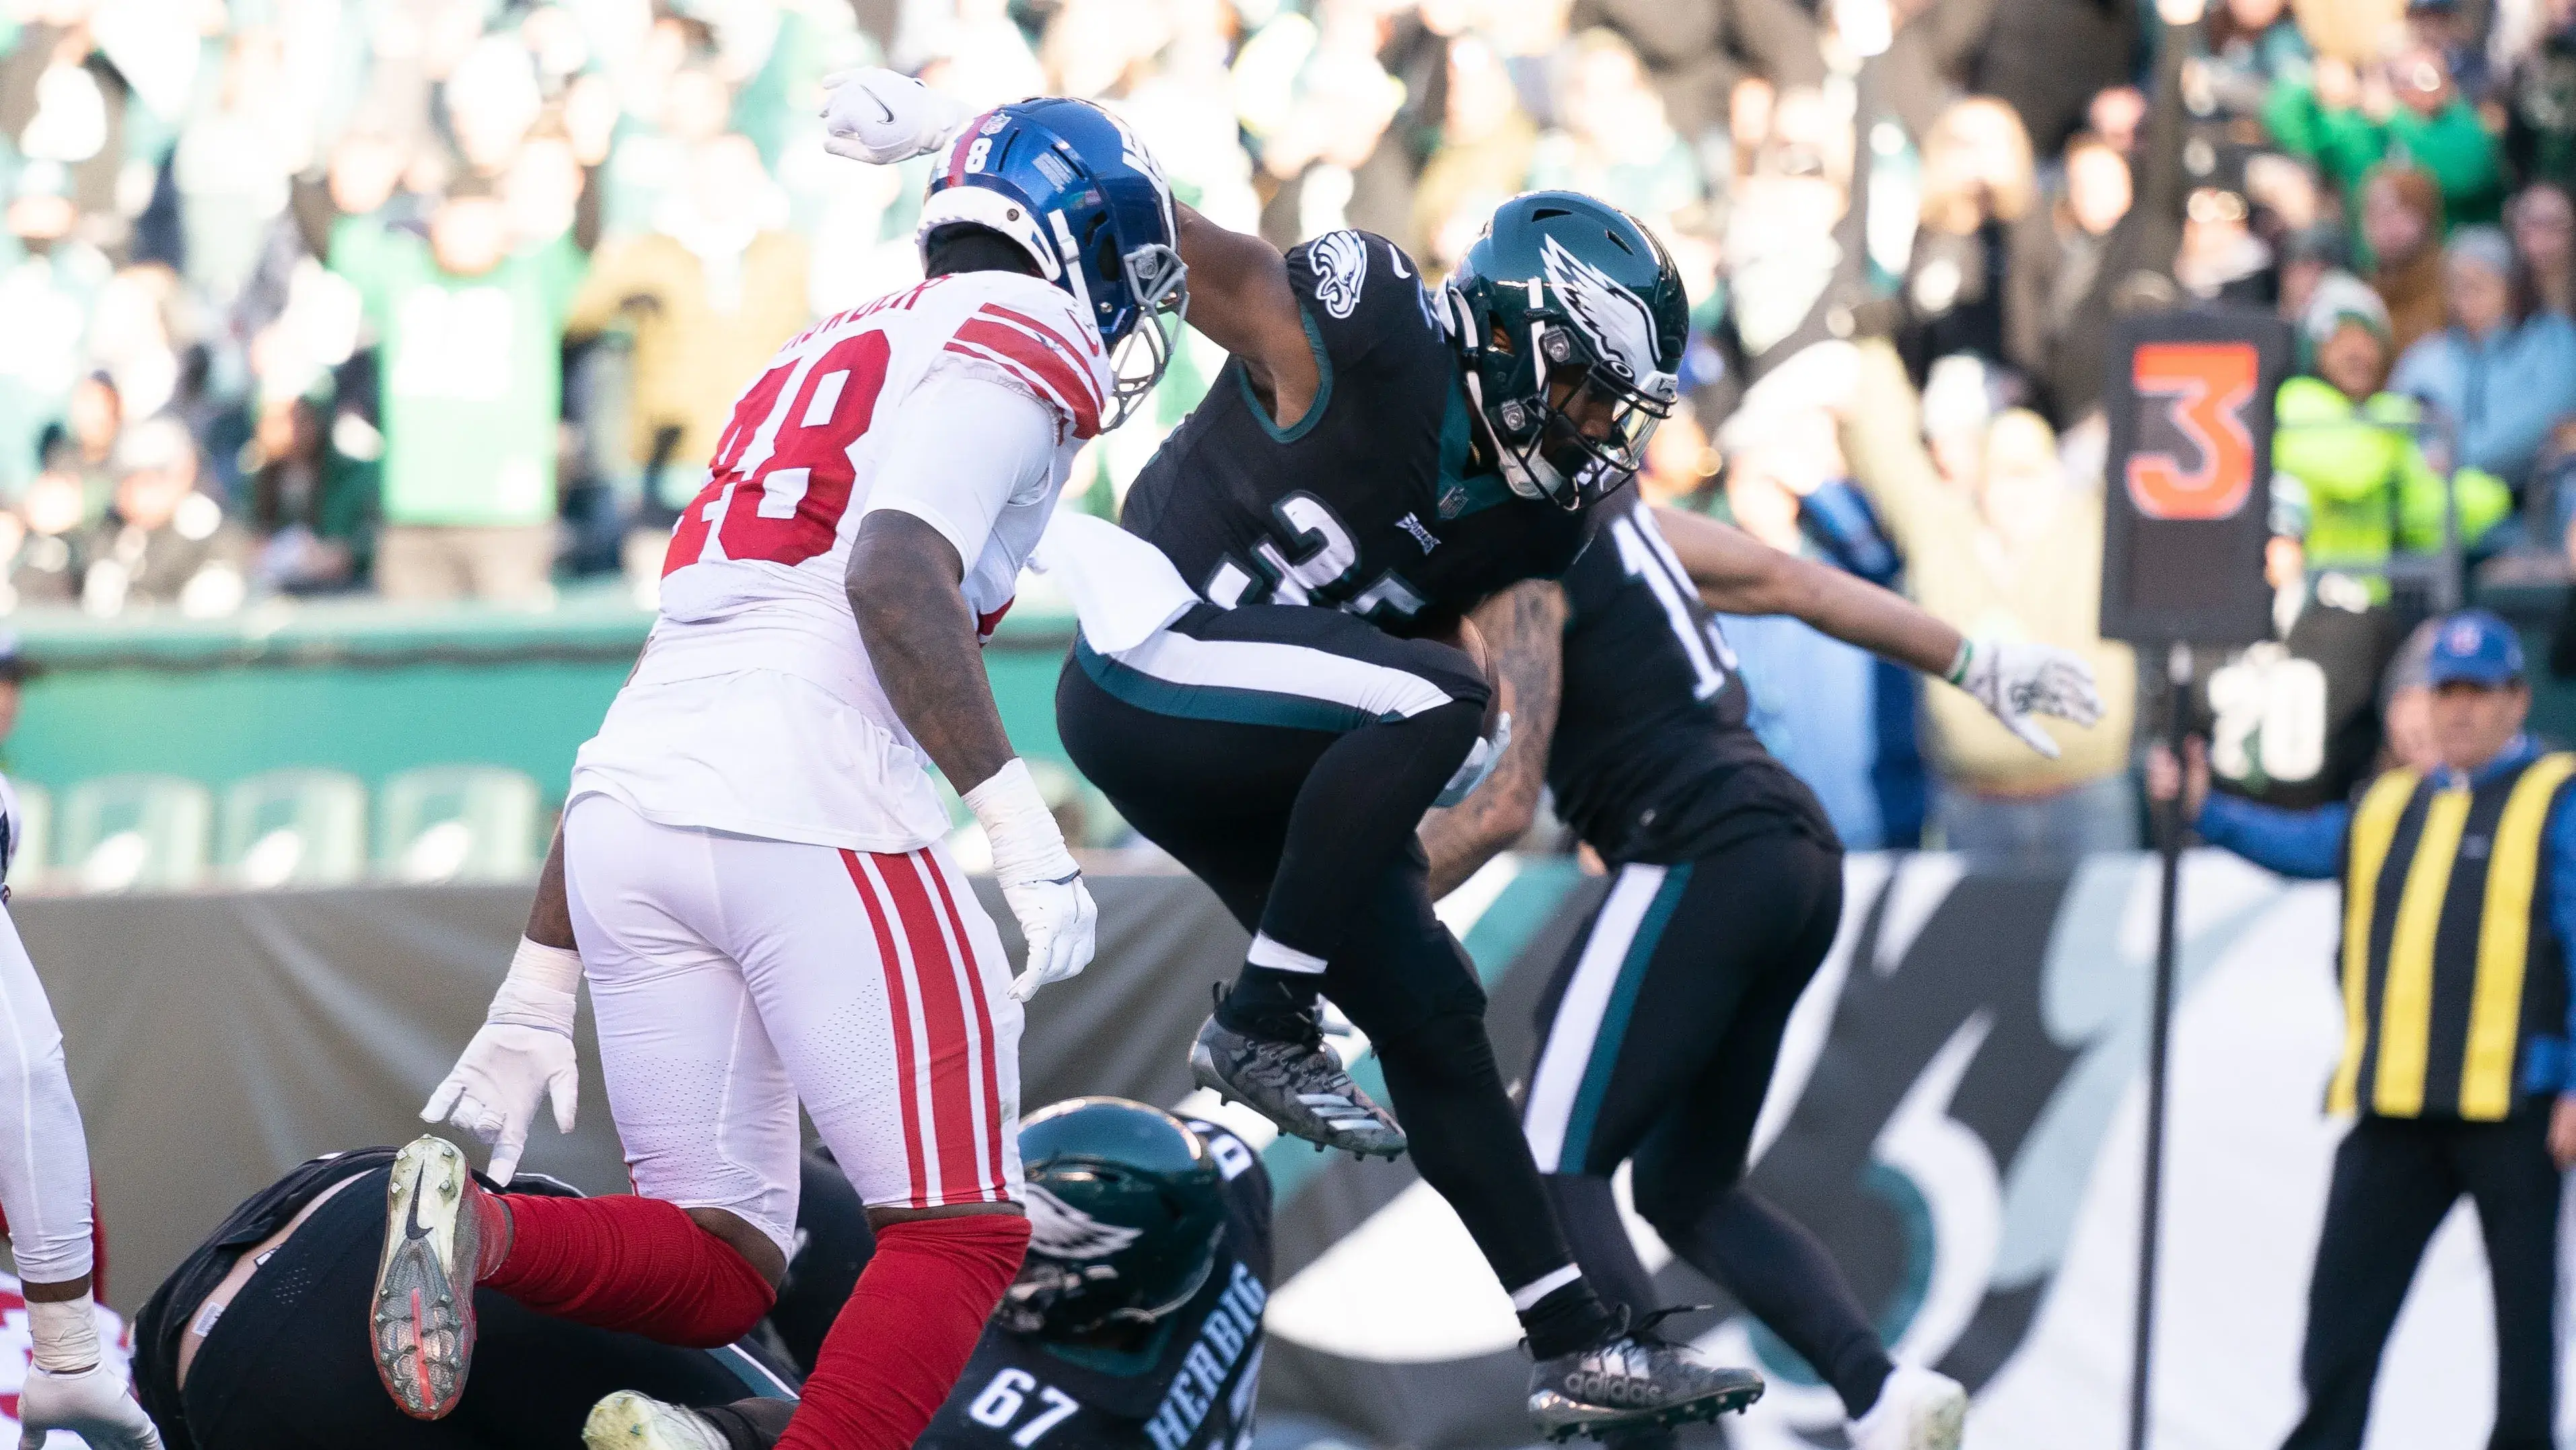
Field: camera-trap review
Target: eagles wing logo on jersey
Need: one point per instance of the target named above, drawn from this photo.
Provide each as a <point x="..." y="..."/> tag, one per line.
<point x="1340" y="260"/>
<point x="1621" y="329"/>
<point x="1061" y="1231"/>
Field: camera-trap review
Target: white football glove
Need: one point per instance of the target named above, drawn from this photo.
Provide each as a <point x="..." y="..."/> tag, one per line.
<point x="882" y="117"/>
<point x="2017" y="680"/>
<point x="95" y="1404"/>
<point x="522" y="1052"/>
<point x="1038" y="877"/>
<point x="70" y="1386"/>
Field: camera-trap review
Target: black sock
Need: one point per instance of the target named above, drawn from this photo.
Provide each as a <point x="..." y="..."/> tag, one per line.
<point x="1267" y="1002"/>
<point x="1568" y="1319"/>
<point x="751" y="1424"/>
<point x="1782" y="1274"/>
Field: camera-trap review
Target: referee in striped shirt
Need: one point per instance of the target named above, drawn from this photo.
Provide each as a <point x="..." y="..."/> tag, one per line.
<point x="2459" y="922"/>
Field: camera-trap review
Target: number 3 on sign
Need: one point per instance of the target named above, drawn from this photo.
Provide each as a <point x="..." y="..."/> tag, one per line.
<point x="2204" y="387"/>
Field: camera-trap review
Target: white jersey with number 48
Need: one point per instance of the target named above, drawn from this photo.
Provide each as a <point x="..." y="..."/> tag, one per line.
<point x="962" y="402"/>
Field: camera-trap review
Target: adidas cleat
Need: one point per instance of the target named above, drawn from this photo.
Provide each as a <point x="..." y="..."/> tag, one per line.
<point x="1297" y="1084"/>
<point x="1634" y="1381"/>
<point x="629" y="1421"/>
<point x="421" y="1319"/>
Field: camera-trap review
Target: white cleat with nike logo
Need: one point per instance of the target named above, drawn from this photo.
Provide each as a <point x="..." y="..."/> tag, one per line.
<point x="421" y="1318"/>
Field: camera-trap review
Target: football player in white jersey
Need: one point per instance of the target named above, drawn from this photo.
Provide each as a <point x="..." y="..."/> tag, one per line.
<point x="72" y="1380"/>
<point x="749" y="870"/>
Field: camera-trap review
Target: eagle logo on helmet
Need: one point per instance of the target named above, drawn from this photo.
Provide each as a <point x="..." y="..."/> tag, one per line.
<point x="1621" y="329"/>
<point x="1059" y="1230"/>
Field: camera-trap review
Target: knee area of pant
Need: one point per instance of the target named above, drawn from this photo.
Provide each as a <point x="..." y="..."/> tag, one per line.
<point x="758" y="1243"/>
<point x="1448" y="1043"/>
<point x="1672" y="1207"/>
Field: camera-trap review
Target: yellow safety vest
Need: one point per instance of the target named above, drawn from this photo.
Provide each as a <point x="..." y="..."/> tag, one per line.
<point x="2450" y="966"/>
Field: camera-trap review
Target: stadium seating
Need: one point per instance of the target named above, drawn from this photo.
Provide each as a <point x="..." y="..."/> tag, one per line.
<point x="136" y="832"/>
<point x="294" y="828"/>
<point x="458" y="823"/>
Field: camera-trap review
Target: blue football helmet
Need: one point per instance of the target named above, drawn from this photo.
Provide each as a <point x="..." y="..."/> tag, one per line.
<point x="1073" y="186"/>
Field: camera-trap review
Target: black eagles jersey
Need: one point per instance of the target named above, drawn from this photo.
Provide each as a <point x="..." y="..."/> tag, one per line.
<point x="1367" y="501"/>
<point x="1652" y="759"/>
<point x="1190" y="1388"/>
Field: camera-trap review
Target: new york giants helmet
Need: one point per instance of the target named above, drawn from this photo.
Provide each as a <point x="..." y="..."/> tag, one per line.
<point x="1074" y="188"/>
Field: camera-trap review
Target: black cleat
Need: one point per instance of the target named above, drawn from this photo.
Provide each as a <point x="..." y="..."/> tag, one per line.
<point x="1632" y="1381"/>
<point x="1297" y="1084"/>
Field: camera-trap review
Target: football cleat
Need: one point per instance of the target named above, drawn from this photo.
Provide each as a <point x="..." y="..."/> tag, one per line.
<point x="421" y="1319"/>
<point x="629" y="1421"/>
<point x="1916" y="1410"/>
<point x="1631" y="1381"/>
<point x="1296" y="1083"/>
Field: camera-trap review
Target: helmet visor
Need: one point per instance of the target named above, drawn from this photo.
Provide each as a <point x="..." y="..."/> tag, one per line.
<point x="1597" y="423"/>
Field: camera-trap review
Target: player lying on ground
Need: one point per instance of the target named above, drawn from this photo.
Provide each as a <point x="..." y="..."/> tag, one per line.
<point x="246" y="1344"/>
<point x="1135" y="1323"/>
<point x="1658" y="1035"/>
<point x="72" y="1383"/>
<point x="749" y="865"/>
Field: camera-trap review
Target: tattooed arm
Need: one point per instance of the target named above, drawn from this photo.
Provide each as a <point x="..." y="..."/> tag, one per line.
<point x="1524" y="634"/>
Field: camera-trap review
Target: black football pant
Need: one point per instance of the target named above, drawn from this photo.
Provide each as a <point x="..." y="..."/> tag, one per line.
<point x="1285" y="755"/>
<point x="287" y="1366"/>
<point x="2395" y="1179"/>
<point x="1657" y="1038"/>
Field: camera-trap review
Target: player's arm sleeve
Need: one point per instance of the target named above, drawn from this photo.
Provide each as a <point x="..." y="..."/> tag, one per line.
<point x="964" y="447"/>
<point x="44" y="1159"/>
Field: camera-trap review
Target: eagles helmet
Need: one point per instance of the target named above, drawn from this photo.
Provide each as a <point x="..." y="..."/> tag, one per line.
<point x="1074" y="188"/>
<point x="1570" y="318"/>
<point x="1125" y="1208"/>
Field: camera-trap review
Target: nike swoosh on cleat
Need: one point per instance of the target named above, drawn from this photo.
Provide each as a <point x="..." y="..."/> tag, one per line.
<point x="413" y="1228"/>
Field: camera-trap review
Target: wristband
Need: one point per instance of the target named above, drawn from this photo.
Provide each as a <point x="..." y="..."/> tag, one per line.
<point x="1959" y="665"/>
<point x="1027" y="844"/>
<point x="65" y="1332"/>
<point x="539" y="992"/>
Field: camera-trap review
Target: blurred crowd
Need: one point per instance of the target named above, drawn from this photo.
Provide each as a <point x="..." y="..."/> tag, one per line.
<point x="446" y="299"/>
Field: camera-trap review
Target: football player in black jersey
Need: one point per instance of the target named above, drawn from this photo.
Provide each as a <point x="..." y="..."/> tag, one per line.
<point x="1134" y="1325"/>
<point x="1396" y="456"/>
<point x="1659" y="1031"/>
<point x="1412" y="454"/>
<point x="248" y="1344"/>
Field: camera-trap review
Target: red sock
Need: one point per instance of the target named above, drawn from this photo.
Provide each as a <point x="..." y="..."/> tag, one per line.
<point x="636" y="1264"/>
<point x="899" y="1344"/>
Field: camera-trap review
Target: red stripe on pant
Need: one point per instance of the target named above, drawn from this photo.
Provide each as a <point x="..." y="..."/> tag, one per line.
<point x="943" y="1013"/>
<point x="899" y="1010"/>
<point x="983" y="1024"/>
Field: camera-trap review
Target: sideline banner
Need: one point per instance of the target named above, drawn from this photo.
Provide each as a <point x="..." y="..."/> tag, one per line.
<point x="1958" y="1115"/>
